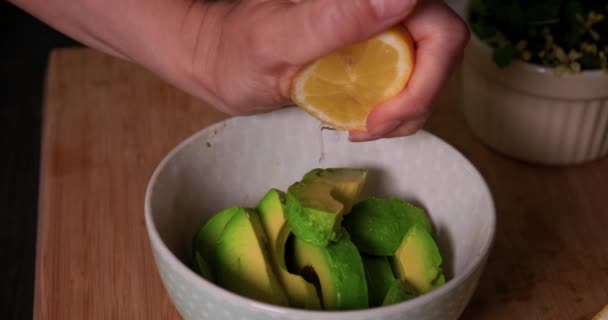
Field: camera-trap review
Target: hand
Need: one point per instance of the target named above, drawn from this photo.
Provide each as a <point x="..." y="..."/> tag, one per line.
<point x="440" y="36"/>
<point x="262" y="44"/>
<point x="241" y="55"/>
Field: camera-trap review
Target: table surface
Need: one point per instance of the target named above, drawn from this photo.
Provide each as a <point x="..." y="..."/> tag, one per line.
<point x="108" y="123"/>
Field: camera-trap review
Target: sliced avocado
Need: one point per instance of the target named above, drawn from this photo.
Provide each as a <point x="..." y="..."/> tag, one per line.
<point x="315" y="205"/>
<point x="377" y="225"/>
<point x="242" y="260"/>
<point x="201" y="266"/>
<point x="347" y="183"/>
<point x="205" y="241"/>
<point x="300" y="293"/>
<point x="439" y="281"/>
<point x="417" y="260"/>
<point x="312" y="213"/>
<point x="339" y="270"/>
<point x="399" y="291"/>
<point x="379" y="276"/>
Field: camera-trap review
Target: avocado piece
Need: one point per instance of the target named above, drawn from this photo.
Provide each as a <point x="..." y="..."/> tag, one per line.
<point x="379" y="277"/>
<point x="205" y="241"/>
<point x="377" y="225"/>
<point x="339" y="270"/>
<point x="439" y="281"/>
<point x="312" y="213"/>
<point x="347" y="183"/>
<point x="242" y="261"/>
<point x="399" y="291"/>
<point x="418" y="261"/>
<point x="300" y="293"/>
<point x="201" y="266"/>
<point x="315" y="205"/>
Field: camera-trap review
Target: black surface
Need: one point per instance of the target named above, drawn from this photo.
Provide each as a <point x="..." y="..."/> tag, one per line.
<point x="24" y="47"/>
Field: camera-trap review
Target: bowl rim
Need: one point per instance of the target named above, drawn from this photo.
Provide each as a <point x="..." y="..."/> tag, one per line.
<point x="235" y="299"/>
<point x="537" y="68"/>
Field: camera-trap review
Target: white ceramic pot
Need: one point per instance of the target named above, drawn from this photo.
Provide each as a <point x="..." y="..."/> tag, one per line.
<point x="529" y="113"/>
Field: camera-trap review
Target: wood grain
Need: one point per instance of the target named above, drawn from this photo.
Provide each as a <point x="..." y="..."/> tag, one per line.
<point x="550" y="258"/>
<point x="108" y="123"/>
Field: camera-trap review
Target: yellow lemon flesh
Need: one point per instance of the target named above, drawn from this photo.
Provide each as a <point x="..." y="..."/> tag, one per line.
<point x="341" y="88"/>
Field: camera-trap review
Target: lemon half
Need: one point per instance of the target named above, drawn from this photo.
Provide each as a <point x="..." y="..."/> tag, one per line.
<point x="341" y="88"/>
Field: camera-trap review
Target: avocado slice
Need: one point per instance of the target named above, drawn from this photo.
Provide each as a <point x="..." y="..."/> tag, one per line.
<point x="417" y="260"/>
<point x="377" y="225"/>
<point x="205" y="241"/>
<point x="242" y="260"/>
<point x="347" y="183"/>
<point x="315" y="205"/>
<point x="300" y="293"/>
<point x="399" y="291"/>
<point x="439" y="281"/>
<point x="379" y="277"/>
<point x="312" y="213"/>
<point x="339" y="270"/>
<point x="201" y="266"/>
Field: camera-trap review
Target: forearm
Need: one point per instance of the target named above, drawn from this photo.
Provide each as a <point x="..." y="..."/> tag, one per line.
<point x="161" y="35"/>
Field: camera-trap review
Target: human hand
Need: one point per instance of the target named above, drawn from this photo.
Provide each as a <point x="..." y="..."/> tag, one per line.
<point x="241" y="56"/>
<point x="262" y="44"/>
<point x="440" y="36"/>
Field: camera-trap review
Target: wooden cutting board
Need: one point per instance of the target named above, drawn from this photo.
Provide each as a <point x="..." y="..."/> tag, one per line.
<point x="108" y="123"/>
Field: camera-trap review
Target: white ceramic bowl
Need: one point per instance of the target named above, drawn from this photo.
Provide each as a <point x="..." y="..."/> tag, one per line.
<point x="235" y="162"/>
<point x="529" y="113"/>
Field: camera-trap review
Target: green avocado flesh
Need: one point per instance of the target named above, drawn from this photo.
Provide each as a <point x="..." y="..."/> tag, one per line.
<point x="315" y="205"/>
<point x="300" y="293"/>
<point x="201" y="266"/>
<point x="205" y="241"/>
<point x="312" y="213"/>
<point x="379" y="277"/>
<point x="317" y="246"/>
<point x="242" y="260"/>
<point x="347" y="183"/>
<point x="399" y="291"/>
<point x="377" y="225"/>
<point x="339" y="270"/>
<point x="417" y="260"/>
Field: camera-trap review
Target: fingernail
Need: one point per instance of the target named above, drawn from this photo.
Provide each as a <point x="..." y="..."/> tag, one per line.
<point x="385" y="128"/>
<point x="391" y="8"/>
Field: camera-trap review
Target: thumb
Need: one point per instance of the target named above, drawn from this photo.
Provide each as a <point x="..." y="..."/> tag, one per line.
<point x="321" y="26"/>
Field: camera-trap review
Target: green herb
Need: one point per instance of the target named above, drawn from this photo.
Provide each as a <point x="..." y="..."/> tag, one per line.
<point x="568" y="35"/>
<point x="503" y="56"/>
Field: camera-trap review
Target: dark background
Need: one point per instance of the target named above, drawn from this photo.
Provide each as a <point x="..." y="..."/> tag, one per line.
<point x="24" y="47"/>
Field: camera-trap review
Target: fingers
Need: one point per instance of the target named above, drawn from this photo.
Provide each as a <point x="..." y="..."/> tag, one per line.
<point x="265" y="42"/>
<point x="400" y="130"/>
<point x="309" y="29"/>
<point x="440" y="36"/>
